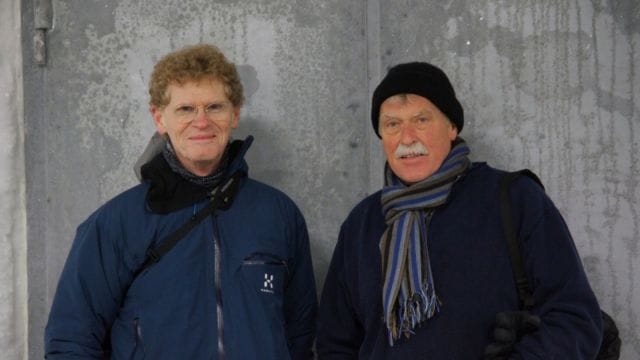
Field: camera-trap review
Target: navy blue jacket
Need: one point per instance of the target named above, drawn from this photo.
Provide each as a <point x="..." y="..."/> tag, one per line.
<point x="473" y="279"/>
<point x="263" y="283"/>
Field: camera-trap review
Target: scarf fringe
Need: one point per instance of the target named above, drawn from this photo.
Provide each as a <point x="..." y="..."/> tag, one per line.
<point x="412" y="312"/>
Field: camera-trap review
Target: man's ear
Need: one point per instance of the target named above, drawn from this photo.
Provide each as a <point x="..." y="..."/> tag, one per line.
<point x="453" y="131"/>
<point x="158" y="119"/>
<point x="236" y="117"/>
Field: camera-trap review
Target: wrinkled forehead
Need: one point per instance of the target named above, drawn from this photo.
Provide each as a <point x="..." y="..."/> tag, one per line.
<point x="405" y="98"/>
<point x="210" y="84"/>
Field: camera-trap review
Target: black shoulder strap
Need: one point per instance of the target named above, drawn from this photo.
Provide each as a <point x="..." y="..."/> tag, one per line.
<point x="525" y="294"/>
<point x="221" y="197"/>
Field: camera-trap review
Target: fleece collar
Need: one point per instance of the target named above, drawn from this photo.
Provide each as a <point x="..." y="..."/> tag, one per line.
<point x="169" y="191"/>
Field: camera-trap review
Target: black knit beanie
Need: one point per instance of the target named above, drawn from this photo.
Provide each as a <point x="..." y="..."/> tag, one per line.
<point x="422" y="79"/>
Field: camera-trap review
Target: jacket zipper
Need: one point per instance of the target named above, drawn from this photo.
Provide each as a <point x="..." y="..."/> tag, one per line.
<point x="218" y="281"/>
<point x="138" y="334"/>
<point x="426" y="229"/>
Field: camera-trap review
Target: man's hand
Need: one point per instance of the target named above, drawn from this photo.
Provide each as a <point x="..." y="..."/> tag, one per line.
<point x="510" y="326"/>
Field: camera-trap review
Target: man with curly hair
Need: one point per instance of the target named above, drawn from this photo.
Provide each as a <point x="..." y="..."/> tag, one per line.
<point x="199" y="261"/>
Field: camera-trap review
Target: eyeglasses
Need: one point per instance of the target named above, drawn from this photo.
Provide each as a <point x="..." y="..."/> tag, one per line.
<point x="186" y="113"/>
<point x="392" y="126"/>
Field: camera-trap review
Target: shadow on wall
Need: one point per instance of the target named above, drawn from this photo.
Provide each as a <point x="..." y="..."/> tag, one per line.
<point x="268" y="165"/>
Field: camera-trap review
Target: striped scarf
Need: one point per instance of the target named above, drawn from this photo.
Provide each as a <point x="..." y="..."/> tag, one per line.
<point x="408" y="294"/>
<point x="209" y="181"/>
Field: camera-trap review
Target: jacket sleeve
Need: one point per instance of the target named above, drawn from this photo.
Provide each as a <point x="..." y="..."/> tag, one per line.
<point x="571" y="320"/>
<point x="300" y="302"/>
<point x="88" y="295"/>
<point x="340" y="333"/>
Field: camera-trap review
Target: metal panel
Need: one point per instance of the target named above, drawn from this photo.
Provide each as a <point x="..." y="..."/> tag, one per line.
<point x="553" y="87"/>
<point x="303" y="65"/>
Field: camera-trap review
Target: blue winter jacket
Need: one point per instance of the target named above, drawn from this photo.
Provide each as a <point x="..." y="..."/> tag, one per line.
<point x="473" y="280"/>
<point x="240" y="284"/>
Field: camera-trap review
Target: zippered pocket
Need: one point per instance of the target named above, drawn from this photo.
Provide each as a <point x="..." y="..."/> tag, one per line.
<point x="266" y="272"/>
<point x="260" y="258"/>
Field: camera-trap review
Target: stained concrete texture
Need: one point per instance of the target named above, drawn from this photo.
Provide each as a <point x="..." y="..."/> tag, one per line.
<point x="551" y="86"/>
<point x="13" y="234"/>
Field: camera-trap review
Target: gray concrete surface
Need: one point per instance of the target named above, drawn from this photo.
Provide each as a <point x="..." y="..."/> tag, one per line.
<point x="552" y="86"/>
<point x="13" y="220"/>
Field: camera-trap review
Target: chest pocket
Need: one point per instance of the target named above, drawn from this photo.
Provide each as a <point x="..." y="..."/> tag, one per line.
<point x="266" y="273"/>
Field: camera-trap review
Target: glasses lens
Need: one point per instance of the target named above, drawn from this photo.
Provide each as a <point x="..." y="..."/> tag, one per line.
<point x="214" y="112"/>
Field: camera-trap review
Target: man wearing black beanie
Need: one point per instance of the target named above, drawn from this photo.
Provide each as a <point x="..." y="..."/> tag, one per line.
<point x="421" y="268"/>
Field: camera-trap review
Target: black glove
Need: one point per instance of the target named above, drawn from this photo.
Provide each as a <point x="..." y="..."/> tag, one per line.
<point x="510" y="326"/>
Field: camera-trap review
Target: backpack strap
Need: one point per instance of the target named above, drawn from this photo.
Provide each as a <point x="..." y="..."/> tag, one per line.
<point x="525" y="295"/>
<point x="610" y="344"/>
<point x="221" y="197"/>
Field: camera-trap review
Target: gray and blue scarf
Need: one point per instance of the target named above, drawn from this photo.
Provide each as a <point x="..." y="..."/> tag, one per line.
<point x="210" y="181"/>
<point x="408" y="293"/>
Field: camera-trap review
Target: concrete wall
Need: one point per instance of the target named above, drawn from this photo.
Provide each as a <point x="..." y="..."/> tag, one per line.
<point x="552" y="86"/>
<point x="13" y="235"/>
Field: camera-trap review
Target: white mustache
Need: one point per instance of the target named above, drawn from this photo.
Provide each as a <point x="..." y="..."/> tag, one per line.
<point x="414" y="149"/>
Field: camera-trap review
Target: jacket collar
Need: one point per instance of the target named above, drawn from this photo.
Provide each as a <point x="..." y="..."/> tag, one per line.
<point x="169" y="191"/>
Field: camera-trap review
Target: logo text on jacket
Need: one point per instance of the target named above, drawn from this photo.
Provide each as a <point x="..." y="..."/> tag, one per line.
<point x="268" y="283"/>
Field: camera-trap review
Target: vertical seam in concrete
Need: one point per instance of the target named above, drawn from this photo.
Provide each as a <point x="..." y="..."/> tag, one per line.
<point x="372" y="24"/>
<point x="35" y="126"/>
